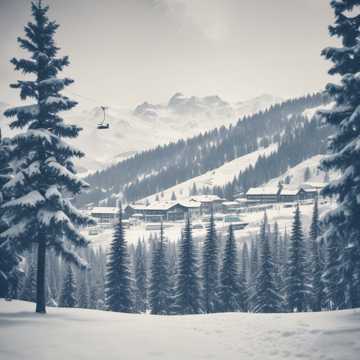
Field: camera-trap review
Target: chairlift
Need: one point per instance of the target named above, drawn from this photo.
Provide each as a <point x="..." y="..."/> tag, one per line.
<point x="103" y="125"/>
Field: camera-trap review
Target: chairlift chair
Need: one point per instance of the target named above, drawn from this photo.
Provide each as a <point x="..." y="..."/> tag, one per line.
<point x="103" y="125"/>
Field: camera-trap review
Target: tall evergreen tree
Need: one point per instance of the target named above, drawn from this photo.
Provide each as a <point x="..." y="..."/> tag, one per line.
<point x="333" y="277"/>
<point x="140" y="296"/>
<point x="44" y="174"/>
<point x="187" y="285"/>
<point x="344" y="145"/>
<point x="118" y="279"/>
<point x="266" y="298"/>
<point x="83" y="297"/>
<point x="210" y="268"/>
<point x="231" y="290"/>
<point x="296" y="282"/>
<point x="254" y="264"/>
<point x="159" y="283"/>
<point x="245" y="274"/>
<point x="317" y="262"/>
<point x="68" y="292"/>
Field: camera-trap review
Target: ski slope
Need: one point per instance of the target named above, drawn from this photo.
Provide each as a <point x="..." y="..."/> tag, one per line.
<point x="93" y="335"/>
<point x="296" y="173"/>
<point x="217" y="177"/>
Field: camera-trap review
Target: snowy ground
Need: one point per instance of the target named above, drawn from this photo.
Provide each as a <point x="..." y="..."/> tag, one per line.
<point x="90" y="334"/>
<point x="280" y="213"/>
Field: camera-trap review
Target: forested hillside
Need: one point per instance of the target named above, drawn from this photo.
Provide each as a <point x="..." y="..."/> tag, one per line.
<point x="154" y="170"/>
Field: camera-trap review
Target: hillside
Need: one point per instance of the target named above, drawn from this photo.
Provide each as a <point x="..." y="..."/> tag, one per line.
<point x="160" y="168"/>
<point x="180" y="118"/>
<point x="92" y="334"/>
<point x="217" y="177"/>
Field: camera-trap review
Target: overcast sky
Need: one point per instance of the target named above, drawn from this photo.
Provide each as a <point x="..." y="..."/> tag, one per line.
<point x="124" y="52"/>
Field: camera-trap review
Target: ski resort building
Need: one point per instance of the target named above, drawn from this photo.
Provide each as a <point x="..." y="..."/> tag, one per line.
<point x="105" y="215"/>
<point x="263" y="194"/>
<point x="164" y="211"/>
<point x="207" y="202"/>
<point x="280" y="194"/>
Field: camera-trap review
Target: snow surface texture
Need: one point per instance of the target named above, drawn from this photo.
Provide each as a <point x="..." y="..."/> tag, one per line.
<point x="181" y="117"/>
<point x="91" y="334"/>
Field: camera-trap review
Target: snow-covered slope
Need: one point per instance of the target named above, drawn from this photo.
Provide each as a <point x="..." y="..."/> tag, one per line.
<point x="91" y="334"/>
<point x="216" y="177"/>
<point x="296" y="175"/>
<point x="149" y="125"/>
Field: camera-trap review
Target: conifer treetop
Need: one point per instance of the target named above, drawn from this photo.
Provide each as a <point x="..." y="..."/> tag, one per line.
<point x="44" y="176"/>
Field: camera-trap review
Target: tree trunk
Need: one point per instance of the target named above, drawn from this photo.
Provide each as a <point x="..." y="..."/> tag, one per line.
<point x="40" y="283"/>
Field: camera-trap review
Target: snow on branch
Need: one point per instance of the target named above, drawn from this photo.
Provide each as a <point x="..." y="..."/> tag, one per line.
<point x="30" y="200"/>
<point x="55" y="83"/>
<point x="15" y="231"/>
<point x="30" y="110"/>
<point x="31" y="134"/>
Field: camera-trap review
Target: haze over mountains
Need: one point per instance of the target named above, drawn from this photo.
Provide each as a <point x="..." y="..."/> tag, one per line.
<point x="149" y="125"/>
<point x="288" y="126"/>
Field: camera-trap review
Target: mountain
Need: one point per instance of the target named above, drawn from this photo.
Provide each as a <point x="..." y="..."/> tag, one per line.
<point x="180" y="118"/>
<point x="283" y="125"/>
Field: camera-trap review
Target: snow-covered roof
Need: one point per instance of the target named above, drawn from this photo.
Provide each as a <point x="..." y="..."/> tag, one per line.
<point x="104" y="210"/>
<point x="289" y="192"/>
<point x="263" y="191"/>
<point x="205" y="198"/>
<point x="231" y="203"/>
<point x="161" y="205"/>
<point x="165" y="205"/>
<point x="190" y="203"/>
<point x="314" y="185"/>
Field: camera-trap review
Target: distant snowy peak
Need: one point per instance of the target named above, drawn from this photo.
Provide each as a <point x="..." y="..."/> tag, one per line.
<point x="207" y="107"/>
<point x="199" y="105"/>
<point x="147" y="110"/>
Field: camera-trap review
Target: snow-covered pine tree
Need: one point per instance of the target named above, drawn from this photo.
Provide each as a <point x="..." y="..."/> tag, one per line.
<point x="44" y="175"/>
<point x="9" y="258"/>
<point x="245" y="274"/>
<point x="118" y="278"/>
<point x="275" y="253"/>
<point x="140" y="296"/>
<point x="266" y="298"/>
<point x="187" y="285"/>
<point x="254" y="264"/>
<point x="333" y="277"/>
<point x="68" y="291"/>
<point x="317" y="261"/>
<point x="297" y="282"/>
<point x="283" y="262"/>
<point x="172" y="260"/>
<point x="231" y="290"/>
<point x="83" y="296"/>
<point x="344" y="145"/>
<point x="159" y="290"/>
<point x="210" y="268"/>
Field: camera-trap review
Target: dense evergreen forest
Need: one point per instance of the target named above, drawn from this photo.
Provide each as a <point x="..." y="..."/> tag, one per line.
<point x="155" y="170"/>
<point x="274" y="271"/>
